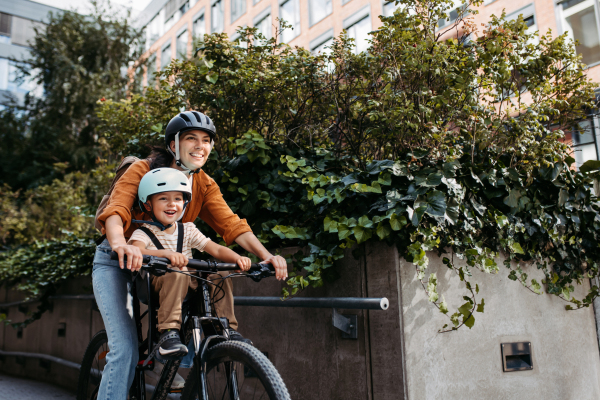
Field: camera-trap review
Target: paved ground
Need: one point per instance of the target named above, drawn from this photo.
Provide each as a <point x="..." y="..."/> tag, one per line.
<point x="12" y="388"/>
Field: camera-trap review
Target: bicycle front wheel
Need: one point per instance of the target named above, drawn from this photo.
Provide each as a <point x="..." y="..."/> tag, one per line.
<point x="92" y="366"/>
<point x="236" y="370"/>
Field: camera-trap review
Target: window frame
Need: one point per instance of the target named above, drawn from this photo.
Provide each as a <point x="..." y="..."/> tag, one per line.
<point x="560" y="20"/>
<point x="311" y="21"/>
<point x="182" y="31"/>
<point x="320" y="40"/>
<point x="263" y="15"/>
<point x="165" y="46"/>
<point x="357" y="17"/>
<point x="213" y="27"/>
<point x="297" y="29"/>
<point x="197" y="16"/>
<point x="244" y="9"/>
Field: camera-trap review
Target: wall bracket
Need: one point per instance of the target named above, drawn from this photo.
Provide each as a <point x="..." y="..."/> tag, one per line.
<point x="348" y="324"/>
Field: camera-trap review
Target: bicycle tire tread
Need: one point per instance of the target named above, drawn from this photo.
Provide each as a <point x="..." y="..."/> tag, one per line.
<point x="262" y="366"/>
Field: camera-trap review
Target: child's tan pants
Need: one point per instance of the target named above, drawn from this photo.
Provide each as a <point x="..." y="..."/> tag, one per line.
<point x="172" y="289"/>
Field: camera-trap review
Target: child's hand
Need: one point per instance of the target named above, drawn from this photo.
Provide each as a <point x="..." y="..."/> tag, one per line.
<point x="178" y="260"/>
<point x="244" y="263"/>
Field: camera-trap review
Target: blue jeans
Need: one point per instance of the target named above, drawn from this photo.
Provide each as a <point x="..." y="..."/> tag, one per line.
<point x="112" y="289"/>
<point x="112" y="286"/>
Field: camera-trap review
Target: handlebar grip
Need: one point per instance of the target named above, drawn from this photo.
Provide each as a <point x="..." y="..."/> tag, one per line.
<point x="199" y="264"/>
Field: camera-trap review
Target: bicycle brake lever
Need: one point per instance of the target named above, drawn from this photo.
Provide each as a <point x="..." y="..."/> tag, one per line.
<point x="156" y="267"/>
<point x="264" y="272"/>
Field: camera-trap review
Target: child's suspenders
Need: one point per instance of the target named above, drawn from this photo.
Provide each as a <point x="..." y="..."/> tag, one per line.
<point x="158" y="244"/>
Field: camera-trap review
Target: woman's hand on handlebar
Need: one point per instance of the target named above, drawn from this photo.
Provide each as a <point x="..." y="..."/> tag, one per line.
<point x="280" y="265"/>
<point x="133" y="254"/>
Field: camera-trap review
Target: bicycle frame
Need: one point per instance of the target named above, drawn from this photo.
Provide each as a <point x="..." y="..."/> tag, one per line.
<point x="204" y="325"/>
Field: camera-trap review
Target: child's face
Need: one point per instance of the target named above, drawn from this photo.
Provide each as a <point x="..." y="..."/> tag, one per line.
<point x="167" y="206"/>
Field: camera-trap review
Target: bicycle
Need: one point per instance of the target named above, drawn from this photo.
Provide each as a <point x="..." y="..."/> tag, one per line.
<point x="222" y="368"/>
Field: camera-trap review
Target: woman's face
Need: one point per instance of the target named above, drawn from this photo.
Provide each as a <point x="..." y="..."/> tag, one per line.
<point x="194" y="148"/>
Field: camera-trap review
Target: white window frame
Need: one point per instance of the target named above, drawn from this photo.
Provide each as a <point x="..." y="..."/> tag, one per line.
<point x="357" y="17"/>
<point x="242" y="3"/>
<point x="295" y="24"/>
<point x="457" y="4"/>
<point x="164" y="47"/>
<point x="320" y="40"/>
<point x="199" y="15"/>
<point x="261" y="17"/>
<point x="563" y="14"/>
<point x="214" y="28"/>
<point x="181" y="32"/>
<point x="311" y="17"/>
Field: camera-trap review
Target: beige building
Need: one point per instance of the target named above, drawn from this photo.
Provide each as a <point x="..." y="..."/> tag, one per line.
<point x="171" y="25"/>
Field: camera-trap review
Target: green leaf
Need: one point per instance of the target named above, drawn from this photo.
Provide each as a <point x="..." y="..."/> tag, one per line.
<point x="465" y="309"/>
<point x="382" y="230"/>
<point x="590" y="165"/>
<point x="480" y="306"/>
<point x="436" y="203"/>
<point x="470" y="321"/>
<point x="516" y="248"/>
<point x="212" y="77"/>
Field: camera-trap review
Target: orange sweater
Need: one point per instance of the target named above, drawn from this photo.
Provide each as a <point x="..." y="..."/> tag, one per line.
<point x="207" y="203"/>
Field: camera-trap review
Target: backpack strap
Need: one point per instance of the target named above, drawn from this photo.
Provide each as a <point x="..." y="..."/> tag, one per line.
<point x="179" y="237"/>
<point x="153" y="237"/>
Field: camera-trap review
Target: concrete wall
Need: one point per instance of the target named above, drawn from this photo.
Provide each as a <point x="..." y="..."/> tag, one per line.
<point x="467" y="364"/>
<point x="398" y="353"/>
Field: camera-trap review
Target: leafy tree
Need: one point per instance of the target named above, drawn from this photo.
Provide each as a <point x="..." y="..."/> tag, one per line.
<point x="431" y="141"/>
<point x="77" y="60"/>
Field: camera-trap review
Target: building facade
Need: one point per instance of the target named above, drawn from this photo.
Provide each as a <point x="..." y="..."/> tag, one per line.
<point x="171" y="26"/>
<point x="18" y="20"/>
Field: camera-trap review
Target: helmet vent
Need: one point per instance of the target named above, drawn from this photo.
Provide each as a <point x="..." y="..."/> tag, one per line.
<point x="197" y="116"/>
<point x="183" y="183"/>
<point x="207" y="120"/>
<point x="185" y="117"/>
<point x="155" y="171"/>
<point x="161" y="184"/>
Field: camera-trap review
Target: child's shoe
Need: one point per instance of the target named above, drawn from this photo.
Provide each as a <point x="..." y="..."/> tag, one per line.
<point x="171" y="346"/>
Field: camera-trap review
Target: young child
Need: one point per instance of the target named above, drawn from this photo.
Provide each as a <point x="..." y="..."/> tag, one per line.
<point x="164" y="194"/>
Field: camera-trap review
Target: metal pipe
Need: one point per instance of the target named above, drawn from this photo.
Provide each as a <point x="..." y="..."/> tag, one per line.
<point x="354" y="303"/>
<point x="57" y="360"/>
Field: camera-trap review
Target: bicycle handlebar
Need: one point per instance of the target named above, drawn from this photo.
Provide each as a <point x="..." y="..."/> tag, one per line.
<point x="199" y="264"/>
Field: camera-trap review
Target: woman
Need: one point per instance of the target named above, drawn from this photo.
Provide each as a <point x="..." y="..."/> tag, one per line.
<point x="189" y="138"/>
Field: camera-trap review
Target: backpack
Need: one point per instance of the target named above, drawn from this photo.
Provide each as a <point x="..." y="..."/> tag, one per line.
<point x="119" y="171"/>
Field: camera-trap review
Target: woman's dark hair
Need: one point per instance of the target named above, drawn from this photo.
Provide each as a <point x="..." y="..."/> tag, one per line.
<point x="160" y="158"/>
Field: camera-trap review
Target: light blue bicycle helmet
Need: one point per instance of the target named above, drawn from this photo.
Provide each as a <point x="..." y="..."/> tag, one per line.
<point x="162" y="180"/>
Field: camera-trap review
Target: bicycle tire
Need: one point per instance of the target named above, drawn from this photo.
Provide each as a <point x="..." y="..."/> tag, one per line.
<point x="90" y="360"/>
<point x="250" y="357"/>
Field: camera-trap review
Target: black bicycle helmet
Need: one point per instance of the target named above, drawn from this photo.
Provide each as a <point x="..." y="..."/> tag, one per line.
<point x="187" y="121"/>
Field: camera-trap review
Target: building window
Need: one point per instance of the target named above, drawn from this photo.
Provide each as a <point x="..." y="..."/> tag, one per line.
<point x="184" y="8"/>
<point x="23" y="31"/>
<point x="457" y="10"/>
<point x="389" y="7"/>
<point x="182" y="42"/>
<point x="199" y="28"/>
<point x="583" y="142"/>
<point x="358" y="29"/>
<point x="238" y="8"/>
<point x="151" y="69"/>
<point x="528" y="14"/>
<point x="318" y="9"/>
<point x="165" y="56"/>
<point x="255" y="2"/>
<point x="264" y="27"/>
<point x="323" y="48"/>
<point x="217" y="19"/>
<point x="155" y="29"/>
<point x="4" y="73"/>
<point x="579" y="21"/>
<point x="5" y="24"/>
<point x="289" y="11"/>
